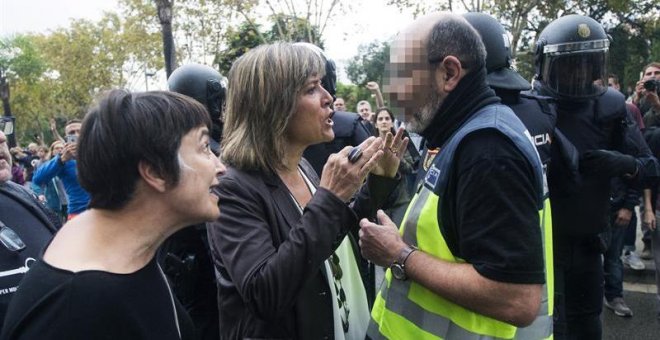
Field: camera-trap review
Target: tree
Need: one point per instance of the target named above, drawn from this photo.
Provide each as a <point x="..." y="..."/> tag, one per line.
<point x="369" y="63"/>
<point x="352" y="94"/>
<point x="59" y="74"/>
<point x="316" y="13"/>
<point x="289" y="28"/>
<point x="634" y="22"/>
<point x="245" y="37"/>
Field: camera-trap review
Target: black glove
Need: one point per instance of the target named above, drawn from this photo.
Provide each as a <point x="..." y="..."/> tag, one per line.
<point x="607" y="163"/>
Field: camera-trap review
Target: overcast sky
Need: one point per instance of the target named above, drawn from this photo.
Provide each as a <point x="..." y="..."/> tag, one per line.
<point x="370" y="20"/>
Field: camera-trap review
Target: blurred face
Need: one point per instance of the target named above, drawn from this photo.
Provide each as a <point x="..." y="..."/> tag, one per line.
<point x="340" y="105"/>
<point x="41" y="153"/>
<point x="33" y="147"/>
<point x="652" y="72"/>
<point x="409" y="82"/>
<point x="383" y="122"/>
<point x="192" y="197"/>
<point x="365" y="111"/>
<point x="57" y="149"/>
<point x="311" y="122"/>
<point x="5" y="159"/>
<point x="72" y="129"/>
<point x="611" y="82"/>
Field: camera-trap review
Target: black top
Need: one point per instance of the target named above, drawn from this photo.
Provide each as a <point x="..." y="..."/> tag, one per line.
<point x="349" y="129"/>
<point x="52" y="303"/>
<point x="492" y="199"/>
<point x="21" y="212"/>
<point x="489" y="215"/>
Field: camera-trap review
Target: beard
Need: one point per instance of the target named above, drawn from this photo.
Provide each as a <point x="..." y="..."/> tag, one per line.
<point x="422" y="119"/>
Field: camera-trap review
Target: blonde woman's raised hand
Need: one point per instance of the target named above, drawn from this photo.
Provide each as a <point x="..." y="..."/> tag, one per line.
<point x="345" y="171"/>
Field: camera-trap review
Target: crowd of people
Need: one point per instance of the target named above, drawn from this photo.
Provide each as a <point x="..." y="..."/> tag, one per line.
<point x="261" y="207"/>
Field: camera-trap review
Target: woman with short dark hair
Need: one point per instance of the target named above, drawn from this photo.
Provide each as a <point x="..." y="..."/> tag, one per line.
<point x="145" y="160"/>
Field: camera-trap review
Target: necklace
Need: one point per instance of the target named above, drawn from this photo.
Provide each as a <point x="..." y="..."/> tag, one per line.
<point x="335" y="267"/>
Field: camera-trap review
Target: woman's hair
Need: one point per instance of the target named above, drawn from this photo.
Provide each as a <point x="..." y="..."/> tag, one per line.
<point x="124" y="129"/>
<point x="263" y="90"/>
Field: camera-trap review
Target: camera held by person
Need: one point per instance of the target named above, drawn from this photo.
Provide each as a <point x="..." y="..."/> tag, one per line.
<point x="651" y="85"/>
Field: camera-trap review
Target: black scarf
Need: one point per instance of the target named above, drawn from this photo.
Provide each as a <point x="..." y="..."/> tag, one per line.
<point x="471" y="94"/>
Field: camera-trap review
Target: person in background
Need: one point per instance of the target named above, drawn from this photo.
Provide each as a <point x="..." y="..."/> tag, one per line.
<point x="99" y="274"/>
<point x="339" y="104"/>
<point x="26" y="226"/>
<point x="646" y="94"/>
<point x="284" y="264"/>
<point x="364" y="110"/>
<point x="52" y="193"/>
<point x="64" y="167"/>
<point x="400" y="198"/>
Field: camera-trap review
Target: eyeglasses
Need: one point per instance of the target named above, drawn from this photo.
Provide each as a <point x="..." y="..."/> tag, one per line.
<point x="10" y="239"/>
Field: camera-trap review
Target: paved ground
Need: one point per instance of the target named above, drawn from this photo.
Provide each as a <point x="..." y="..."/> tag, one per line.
<point x="643" y="324"/>
<point x="640" y="295"/>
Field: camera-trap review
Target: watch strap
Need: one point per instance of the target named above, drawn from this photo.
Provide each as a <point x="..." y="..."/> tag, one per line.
<point x="404" y="254"/>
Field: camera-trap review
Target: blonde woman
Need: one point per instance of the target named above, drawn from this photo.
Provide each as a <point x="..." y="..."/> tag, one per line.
<point x="285" y="267"/>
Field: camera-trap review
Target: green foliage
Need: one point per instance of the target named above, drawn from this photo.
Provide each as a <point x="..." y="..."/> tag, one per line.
<point x="290" y="28"/>
<point x="59" y="74"/>
<point x="19" y="58"/>
<point x="352" y="94"/>
<point x="369" y="63"/>
<point x="239" y="41"/>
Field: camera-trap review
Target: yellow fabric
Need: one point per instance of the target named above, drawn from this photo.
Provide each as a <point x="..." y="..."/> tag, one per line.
<point x="430" y="240"/>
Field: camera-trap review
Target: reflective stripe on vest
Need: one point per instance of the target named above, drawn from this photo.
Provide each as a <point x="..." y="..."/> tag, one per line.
<point x="407" y="310"/>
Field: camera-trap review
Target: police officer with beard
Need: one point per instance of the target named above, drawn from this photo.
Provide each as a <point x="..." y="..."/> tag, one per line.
<point x="185" y="256"/>
<point x="571" y="54"/>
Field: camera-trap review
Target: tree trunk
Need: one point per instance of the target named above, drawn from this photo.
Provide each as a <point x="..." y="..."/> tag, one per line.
<point x="165" y="16"/>
<point x="4" y="95"/>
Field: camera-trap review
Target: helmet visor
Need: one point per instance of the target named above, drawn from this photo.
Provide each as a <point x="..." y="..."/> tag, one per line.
<point x="576" y="75"/>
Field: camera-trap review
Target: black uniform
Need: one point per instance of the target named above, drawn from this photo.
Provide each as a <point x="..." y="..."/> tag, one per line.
<point x="21" y="212"/>
<point x="349" y="131"/>
<point x="581" y="209"/>
<point x="185" y="256"/>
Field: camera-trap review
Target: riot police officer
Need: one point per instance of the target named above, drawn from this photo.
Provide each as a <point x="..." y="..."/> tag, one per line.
<point x="185" y="256"/>
<point x="571" y="54"/>
<point x="207" y="86"/>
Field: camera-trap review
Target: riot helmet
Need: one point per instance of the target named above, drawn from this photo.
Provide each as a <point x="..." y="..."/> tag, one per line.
<point x="498" y="53"/>
<point x="571" y="58"/>
<point x="329" y="81"/>
<point x="205" y="85"/>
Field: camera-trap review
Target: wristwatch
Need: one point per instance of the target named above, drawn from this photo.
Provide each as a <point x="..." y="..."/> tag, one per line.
<point x="398" y="267"/>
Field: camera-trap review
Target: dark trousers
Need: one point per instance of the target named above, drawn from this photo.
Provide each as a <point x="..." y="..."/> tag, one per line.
<point x="578" y="287"/>
<point x="612" y="265"/>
